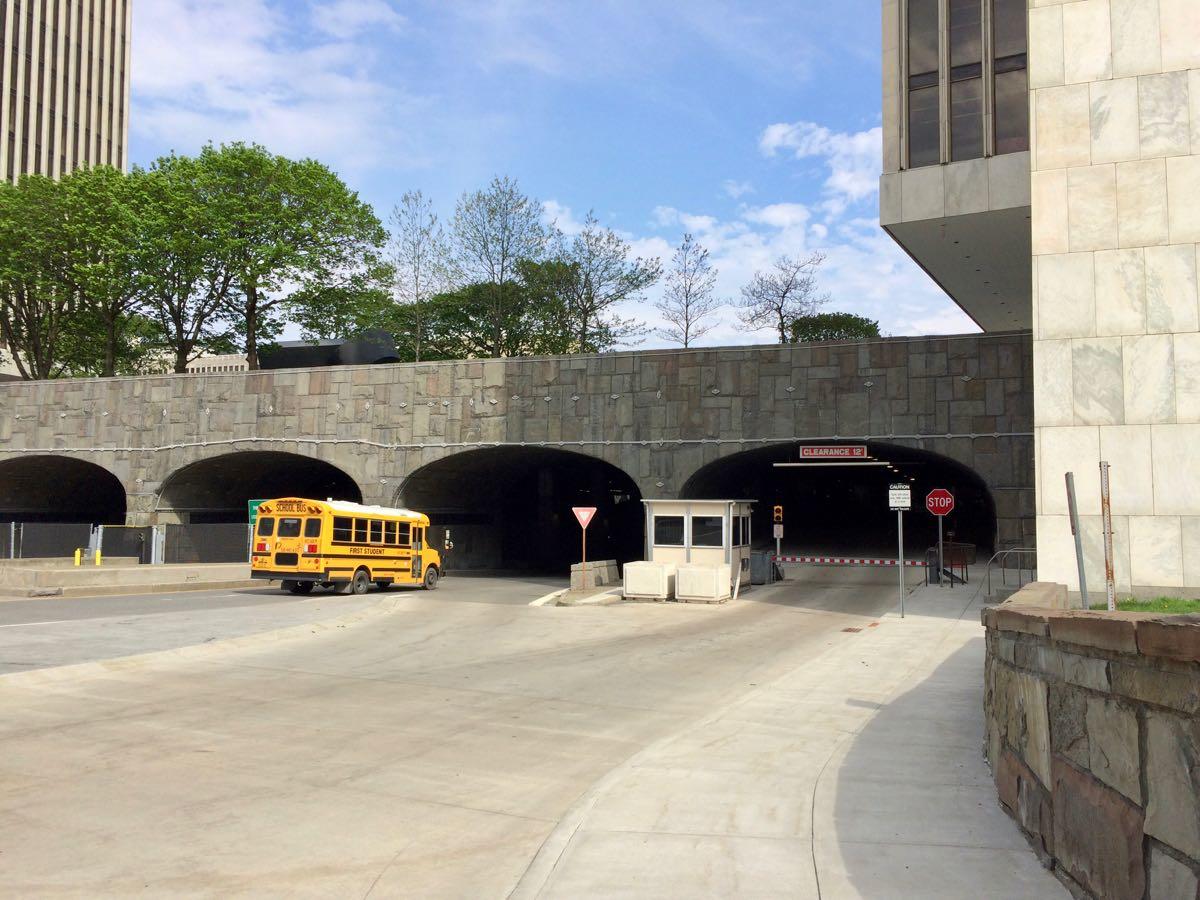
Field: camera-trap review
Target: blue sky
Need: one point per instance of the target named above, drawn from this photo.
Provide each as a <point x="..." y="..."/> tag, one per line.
<point x="752" y="124"/>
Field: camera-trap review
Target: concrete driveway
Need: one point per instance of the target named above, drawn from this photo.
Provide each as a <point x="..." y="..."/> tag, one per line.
<point x="452" y="749"/>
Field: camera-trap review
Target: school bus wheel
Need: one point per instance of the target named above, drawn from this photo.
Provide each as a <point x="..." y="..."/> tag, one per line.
<point x="296" y="587"/>
<point x="431" y="578"/>
<point x="361" y="582"/>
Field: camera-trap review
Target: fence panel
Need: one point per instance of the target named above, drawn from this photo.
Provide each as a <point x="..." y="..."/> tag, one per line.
<point x="127" y="541"/>
<point x="8" y="540"/>
<point x="207" y="543"/>
<point x="49" y="540"/>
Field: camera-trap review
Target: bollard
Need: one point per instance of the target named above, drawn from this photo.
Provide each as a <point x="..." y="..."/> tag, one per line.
<point x="78" y="556"/>
<point x="97" y="556"/>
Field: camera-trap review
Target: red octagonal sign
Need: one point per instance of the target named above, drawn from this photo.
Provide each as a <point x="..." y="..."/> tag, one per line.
<point x="940" y="502"/>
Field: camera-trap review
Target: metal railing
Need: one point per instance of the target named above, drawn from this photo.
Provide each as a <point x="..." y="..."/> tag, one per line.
<point x="1024" y="555"/>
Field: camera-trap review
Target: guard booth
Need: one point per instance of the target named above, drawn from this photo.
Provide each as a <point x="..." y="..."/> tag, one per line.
<point x="703" y="544"/>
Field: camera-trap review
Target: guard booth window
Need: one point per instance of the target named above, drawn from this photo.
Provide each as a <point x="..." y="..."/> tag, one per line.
<point x="706" y="531"/>
<point x="668" y="531"/>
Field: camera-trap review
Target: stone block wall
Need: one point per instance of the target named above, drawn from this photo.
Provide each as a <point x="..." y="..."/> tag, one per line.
<point x="1115" y="107"/>
<point x="1093" y="736"/>
<point x="657" y="415"/>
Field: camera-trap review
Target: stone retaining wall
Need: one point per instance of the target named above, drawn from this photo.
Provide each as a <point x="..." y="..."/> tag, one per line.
<point x="1093" y="736"/>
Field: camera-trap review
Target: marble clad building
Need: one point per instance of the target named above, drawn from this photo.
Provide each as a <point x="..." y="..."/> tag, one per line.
<point x="1043" y="165"/>
<point x="64" y="85"/>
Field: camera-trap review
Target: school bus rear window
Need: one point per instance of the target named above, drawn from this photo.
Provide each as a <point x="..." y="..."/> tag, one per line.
<point x="266" y="527"/>
<point x="289" y="528"/>
<point x="312" y="527"/>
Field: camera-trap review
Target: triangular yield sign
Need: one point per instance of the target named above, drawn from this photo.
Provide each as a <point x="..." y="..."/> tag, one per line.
<point x="584" y="514"/>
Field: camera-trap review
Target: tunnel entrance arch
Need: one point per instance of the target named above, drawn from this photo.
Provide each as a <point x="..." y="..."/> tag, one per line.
<point x="60" y="489"/>
<point x="217" y="489"/>
<point x="509" y="508"/>
<point x="843" y="511"/>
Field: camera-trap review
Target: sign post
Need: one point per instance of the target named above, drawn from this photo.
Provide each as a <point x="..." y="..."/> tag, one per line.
<point x="900" y="499"/>
<point x="584" y="514"/>
<point x="940" y="502"/>
<point x="1106" y="524"/>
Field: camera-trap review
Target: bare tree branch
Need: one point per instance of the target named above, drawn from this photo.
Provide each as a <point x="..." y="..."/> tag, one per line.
<point x="689" y="297"/>
<point x="776" y="298"/>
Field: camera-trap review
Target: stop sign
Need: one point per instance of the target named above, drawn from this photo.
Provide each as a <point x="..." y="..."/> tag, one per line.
<point x="940" y="502"/>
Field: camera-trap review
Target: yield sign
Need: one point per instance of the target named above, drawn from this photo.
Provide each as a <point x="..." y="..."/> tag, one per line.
<point x="584" y="514"/>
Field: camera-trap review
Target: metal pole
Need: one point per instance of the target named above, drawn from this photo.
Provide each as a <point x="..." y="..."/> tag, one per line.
<point x="1106" y="517"/>
<point x="900" y="531"/>
<point x="1073" y="512"/>
<point x="941" y="563"/>
<point x="583" y="572"/>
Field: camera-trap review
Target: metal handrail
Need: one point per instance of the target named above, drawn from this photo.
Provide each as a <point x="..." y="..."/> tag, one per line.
<point x="1004" y="568"/>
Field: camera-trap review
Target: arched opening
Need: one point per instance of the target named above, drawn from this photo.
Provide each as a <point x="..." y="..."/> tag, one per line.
<point x="59" y="489"/>
<point x="219" y="489"/>
<point x="843" y="510"/>
<point x="509" y="508"/>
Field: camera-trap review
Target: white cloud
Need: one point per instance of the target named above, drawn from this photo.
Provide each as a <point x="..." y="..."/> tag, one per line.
<point x="853" y="159"/>
<point x="346" y="18"/>
<point x="779" y="215"/>
<point x="226" y="70"/>
<point x="555" y="213"/>
<point x="737" y="189"/>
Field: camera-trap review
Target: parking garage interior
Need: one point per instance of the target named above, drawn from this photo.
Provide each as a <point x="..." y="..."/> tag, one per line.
<point x="509" y="508"/>
<point x="59" y="489"/>
<point x="843" y="509"/>
<point x="218" y="490"/>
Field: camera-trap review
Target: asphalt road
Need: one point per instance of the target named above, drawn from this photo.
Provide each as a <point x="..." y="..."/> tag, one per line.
<point x="425" y="751"/>
<point x="46" y="632"/>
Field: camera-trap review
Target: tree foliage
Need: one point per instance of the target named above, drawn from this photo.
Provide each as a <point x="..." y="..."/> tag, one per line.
<point x="423" y="265"/>
<point x="690" y="296"/>
<point x="776" y="298"/>
<point x="835" y="326"/>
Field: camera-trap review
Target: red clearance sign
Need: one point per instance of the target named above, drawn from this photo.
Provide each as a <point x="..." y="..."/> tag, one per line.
<point x="940" y="502"/>
<point x="834" y="451"/>
<point x="584" y="514"/>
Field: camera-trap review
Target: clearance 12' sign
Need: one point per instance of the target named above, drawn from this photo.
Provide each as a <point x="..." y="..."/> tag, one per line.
<point x="834" y="451"/>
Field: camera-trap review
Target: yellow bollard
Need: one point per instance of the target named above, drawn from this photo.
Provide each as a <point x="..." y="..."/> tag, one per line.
<point x="78" y="556"/>
<point x="97" y="556"/>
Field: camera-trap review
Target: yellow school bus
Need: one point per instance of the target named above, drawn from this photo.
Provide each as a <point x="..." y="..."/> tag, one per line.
<point x="345" y="546"/>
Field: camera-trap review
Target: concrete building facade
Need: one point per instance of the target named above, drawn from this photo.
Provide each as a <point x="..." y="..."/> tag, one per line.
<point x="64" y="72"/>
<point x="1111" y="184"/>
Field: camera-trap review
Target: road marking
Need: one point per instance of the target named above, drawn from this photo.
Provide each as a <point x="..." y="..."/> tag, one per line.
<point x="27" y="624"/>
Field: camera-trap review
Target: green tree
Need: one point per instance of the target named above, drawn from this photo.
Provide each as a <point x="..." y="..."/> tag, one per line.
<point x="423" y="266"/>
<point x="494" y="231"/>
<point x="107" y="333"/>
<point x="598" y="276"/>
<point x="186" y="255"/>
<point x="787" y="291"/>
<point x="690" y="295"/>
<point x="291" y="227"/>
<point x="36" y="297"/>
<point x="835" y="326"/>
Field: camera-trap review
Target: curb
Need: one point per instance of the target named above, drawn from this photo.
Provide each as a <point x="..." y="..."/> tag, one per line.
<point x="139" y="661"/>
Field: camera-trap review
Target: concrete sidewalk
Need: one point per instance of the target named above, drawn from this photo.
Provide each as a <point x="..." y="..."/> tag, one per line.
<point x="857" y="774"/>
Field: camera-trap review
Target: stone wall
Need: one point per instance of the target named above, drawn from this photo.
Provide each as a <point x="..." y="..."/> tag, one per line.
<point x="1093" y="735"/>
<point x="1116" y="319"/>
<point x="657" y="415"/>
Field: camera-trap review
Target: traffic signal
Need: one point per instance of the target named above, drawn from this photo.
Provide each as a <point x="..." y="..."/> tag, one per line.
<point x="777" y="515"/>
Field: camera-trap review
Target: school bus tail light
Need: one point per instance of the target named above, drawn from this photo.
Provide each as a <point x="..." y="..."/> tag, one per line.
<point x="260" y="547"/>
<point x="310" y="548"/>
